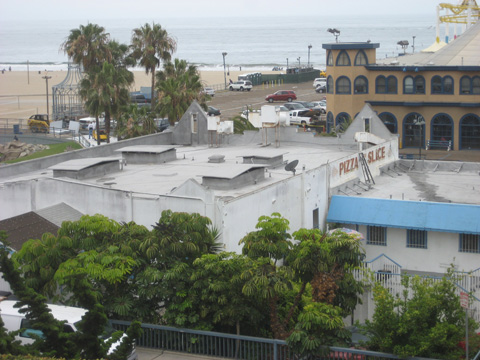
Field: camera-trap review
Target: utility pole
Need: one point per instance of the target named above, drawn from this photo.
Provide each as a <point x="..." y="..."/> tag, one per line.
<point x="46" y="77"/>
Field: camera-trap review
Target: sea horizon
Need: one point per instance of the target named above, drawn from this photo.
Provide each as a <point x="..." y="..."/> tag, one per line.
<point x="256" y="43"/>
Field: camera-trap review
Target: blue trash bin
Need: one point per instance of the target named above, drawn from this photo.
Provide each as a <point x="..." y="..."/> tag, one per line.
<point x="16" y="129"/>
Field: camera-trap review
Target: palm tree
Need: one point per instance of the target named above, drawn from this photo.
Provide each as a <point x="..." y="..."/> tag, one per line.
<point x="178" y="85"/>
<point x="150" y="45"/>
<point x="88" y="46"/>
<point x="105" y="90"/>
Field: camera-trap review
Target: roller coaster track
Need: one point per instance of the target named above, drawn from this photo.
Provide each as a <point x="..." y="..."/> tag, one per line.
<point x="460" y="12"/>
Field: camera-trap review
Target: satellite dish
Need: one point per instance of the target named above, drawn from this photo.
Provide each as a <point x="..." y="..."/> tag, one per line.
<point x="291" y="166"/>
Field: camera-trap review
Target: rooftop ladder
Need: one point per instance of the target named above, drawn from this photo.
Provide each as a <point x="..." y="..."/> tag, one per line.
<point x="366" y="170"/>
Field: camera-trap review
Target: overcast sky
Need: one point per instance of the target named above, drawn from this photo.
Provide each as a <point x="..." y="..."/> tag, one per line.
<point x="93" y="10"/>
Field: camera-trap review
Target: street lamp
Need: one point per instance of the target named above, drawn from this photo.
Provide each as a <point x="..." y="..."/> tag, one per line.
<point x="420" y="122"/>
<point x="46" y="81"/>
<point x="334" y="32"/>
<point x="287" y="64"/>
<point x="224" y="70"/>
<point x="298" y="62"/>
<point x="309" y="47"/>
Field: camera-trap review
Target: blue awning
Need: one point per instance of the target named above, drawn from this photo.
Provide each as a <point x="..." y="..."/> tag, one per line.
<point x="417" y="215"/>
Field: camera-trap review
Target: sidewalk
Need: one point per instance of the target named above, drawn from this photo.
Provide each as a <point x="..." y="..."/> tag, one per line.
<point x="151" y="354"/>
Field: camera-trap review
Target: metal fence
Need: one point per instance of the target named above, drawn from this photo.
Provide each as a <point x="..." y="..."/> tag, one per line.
<point x="209" y="343"/>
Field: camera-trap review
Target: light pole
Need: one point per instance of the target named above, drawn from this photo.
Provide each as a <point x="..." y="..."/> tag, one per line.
<point x="298" y="63"/>
<point x="420" y="122"/>
<point x="309" y="47"/>
<point x="287" y="64"/>
<point x="46" y="81"/>
<point x="224" y="70"/>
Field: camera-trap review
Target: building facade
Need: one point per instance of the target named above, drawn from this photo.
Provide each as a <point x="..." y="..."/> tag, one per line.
<point x="425" y="98"/>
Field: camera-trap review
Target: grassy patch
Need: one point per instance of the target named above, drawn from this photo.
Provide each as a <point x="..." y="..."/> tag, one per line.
<point x="54" y="149"/>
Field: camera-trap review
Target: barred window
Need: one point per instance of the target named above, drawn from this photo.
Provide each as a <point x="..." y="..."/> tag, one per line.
<point x="469" y="243"/>
<point x="417" y="239"/>
<point x="376" y="235"/>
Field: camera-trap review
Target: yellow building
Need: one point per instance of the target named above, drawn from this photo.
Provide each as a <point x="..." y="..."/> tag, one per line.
<point x="429" y="96"/>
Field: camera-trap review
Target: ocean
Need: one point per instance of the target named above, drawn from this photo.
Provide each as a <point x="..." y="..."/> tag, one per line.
<point x="256" y="43"/>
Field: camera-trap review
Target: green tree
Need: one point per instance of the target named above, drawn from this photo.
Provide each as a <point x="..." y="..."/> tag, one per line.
<point x="240" y="125"/>
<point x="426" y="321"/>
<point x="88" y="46"/>
<point x="135" y="121"/>
<point x="178" y="85"/>
<point x="151" y="44"/>
<point x="105" y="90"/>
<point x="316" y="269"/>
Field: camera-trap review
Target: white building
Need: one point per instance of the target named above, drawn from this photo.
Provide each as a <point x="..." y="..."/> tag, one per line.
<point x="235" y="179"/>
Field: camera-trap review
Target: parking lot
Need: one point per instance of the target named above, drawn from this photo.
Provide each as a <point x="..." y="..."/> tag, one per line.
<point x="232" y="103"/>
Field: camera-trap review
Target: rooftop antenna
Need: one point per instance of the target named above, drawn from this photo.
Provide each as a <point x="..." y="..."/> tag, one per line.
<point x="291" y="166"/>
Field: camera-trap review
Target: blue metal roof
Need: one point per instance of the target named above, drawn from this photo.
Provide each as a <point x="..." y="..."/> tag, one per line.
<point x="418" y="215"/>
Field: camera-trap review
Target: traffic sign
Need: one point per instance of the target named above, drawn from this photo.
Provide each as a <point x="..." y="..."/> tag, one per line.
<point x="464" y="300"/>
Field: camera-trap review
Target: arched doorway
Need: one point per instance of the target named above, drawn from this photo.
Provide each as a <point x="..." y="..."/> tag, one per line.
<point x="470" y="132"/>
<point x="413" y="134"/>
<point x="442" y="128"/>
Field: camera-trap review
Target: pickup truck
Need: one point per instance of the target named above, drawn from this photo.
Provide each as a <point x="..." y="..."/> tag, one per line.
<point x="297" y="117"/>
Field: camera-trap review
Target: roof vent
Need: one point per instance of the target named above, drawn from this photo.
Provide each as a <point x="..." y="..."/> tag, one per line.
<point x="216" y="158"/>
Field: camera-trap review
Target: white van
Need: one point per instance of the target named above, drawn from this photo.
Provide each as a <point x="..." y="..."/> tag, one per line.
<point x="14" y="320"/>
<point x="319" y="82"/>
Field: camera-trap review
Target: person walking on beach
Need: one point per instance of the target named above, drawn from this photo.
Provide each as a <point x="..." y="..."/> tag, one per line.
<point x="90" y="129"/>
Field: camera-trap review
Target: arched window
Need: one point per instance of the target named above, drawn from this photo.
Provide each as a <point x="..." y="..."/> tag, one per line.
<point x="343" y="59"/>
<point x="391" y="85"/>
<point x="414" y="85"/>
<point x="330" y="124"/>
<point x="360" y="85"/>
<point x="330" y="58"/>
<point x="465" y="85"/>
<point x="437" y="85"/>
<point x="343" y="85"/>
<point x="413" y="134"/>
<point x="408" y="85"/>
<point x="390" y="121"/>
<point x="476" y="85"/>
<point x="342" y="121"/>
<point x="419" y="84"/>
<point x="361" y="58"/>
<point x="381" y="85"/>
<point x="442" y="128"/>
<point x="447" y="85"/>
<point x="330" y="85"/>
<point x="470" y="132"/>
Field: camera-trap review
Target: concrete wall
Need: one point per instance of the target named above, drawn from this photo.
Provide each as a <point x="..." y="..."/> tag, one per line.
<point x="295" y="199"/>
<point x="23" y="167"/>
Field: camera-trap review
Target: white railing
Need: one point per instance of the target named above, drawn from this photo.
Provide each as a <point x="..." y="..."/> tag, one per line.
<point x="387" y="273"/>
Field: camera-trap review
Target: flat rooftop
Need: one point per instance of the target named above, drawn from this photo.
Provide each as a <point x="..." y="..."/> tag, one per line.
<point x="436" y="181"/>
<point x="193" y="163"/>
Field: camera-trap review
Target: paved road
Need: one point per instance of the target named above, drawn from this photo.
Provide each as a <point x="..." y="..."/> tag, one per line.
<point x="151" y="354"/>
<point x="232" y="103"/>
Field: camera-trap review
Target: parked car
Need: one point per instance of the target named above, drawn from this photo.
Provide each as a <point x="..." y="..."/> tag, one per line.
<point x="213" y="111"/>
<point x="241" y="85"/>
<point x="321" y="89"/>
<point x="322" y="104"/>
<point x="137" y="98"/>
<point x="311" y="106"/>
<point x="209" y="91"/>
<point x="282" y="95"/>
<point x="319" y="81"/>
<point x="294" y="106"/>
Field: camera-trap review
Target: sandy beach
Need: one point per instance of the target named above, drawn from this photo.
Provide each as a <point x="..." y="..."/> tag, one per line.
<point x="23" y="93"/>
